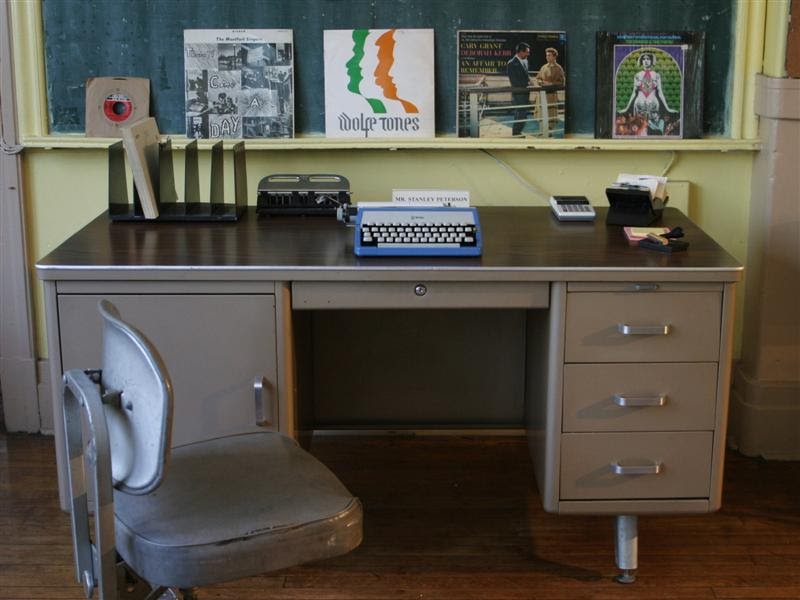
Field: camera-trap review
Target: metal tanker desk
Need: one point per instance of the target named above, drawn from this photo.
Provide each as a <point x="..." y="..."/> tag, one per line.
<point x="616" y="360"/>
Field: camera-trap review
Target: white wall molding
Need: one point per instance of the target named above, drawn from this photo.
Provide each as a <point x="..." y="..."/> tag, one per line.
<point x="765" y="400"/>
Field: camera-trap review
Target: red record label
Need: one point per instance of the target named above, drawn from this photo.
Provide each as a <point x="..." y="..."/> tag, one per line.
<point x="117" y="107"/>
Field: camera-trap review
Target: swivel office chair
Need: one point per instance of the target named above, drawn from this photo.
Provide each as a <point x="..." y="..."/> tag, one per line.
<point x="227" y="508"/>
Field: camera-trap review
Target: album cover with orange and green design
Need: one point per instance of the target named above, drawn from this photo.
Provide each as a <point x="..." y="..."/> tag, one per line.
<point x="379" y="83"/>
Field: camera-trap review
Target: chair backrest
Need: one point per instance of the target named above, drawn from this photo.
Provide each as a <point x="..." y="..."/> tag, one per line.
<point x="140" y="421"/>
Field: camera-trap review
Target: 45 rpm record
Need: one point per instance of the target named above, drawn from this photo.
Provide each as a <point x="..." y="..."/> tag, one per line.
<point x="118" y="107"/>
<point x="114" y="102"/>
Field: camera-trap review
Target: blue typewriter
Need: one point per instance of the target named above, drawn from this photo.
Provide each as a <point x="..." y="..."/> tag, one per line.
<point x="413" y="231"/>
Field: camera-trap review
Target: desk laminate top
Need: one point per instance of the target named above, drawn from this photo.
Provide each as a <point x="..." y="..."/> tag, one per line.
<point x="520" y="244"/>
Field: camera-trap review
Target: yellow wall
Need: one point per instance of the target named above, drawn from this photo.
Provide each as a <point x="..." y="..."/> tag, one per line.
<point x="67" y="188"/>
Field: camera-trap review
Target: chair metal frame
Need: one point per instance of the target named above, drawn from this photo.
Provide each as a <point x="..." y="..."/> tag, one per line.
<point x="86" y="401"/>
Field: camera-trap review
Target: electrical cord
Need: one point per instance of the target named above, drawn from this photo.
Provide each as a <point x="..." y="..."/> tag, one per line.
<point x="528" y="186"/>
<point x="10" y="149"/>
<point x="670" y="162"/>
<point x="5" y="147"/>
<point x="328" y="198"/>
<point x="345" y="213"/>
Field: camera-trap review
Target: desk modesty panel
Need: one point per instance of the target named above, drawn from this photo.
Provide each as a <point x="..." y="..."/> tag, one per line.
<point x="569" y="303"/>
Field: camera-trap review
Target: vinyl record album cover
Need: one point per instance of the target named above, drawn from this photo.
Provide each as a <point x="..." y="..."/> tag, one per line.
<point x="379" y="83"/>
<point x="650" y="85"/>
<point x="115" y="102"/>
<point x="239" y="83"/>
<point x="511" y="83"/>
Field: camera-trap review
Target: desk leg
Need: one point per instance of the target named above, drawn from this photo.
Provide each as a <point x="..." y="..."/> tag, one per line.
<point x="626" y="547"/>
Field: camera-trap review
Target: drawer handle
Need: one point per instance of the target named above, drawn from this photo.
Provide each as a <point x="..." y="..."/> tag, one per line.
<point x="265" y="409"/>
<point x="626" y="329"/>
<point x="644" y="287"/>
<point x="621" y="400"/>
<point x="651" y="469"/>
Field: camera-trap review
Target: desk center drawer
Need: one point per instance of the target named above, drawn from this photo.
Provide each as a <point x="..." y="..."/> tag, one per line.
<point x="322" y="295"/>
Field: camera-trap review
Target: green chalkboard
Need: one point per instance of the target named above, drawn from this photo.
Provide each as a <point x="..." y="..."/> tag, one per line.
<point x="144" y="38"/>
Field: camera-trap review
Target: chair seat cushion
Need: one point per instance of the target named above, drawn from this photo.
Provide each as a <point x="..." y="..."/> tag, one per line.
<point x="234" y="507"/>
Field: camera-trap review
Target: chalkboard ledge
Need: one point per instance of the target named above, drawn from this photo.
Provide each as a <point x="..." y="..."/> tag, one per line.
<point x="711" y="144"/>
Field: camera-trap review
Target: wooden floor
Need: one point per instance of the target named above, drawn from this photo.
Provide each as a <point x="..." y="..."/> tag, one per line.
<point x="456" y="518"/>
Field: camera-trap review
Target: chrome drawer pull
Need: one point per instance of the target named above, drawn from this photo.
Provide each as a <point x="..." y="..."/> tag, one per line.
<point x="621" y="400"/>
<point x="626" y="329"/>
<point x="652" y="469"/>
<point x="265" y="410"/>
<point x="645" y="287"/>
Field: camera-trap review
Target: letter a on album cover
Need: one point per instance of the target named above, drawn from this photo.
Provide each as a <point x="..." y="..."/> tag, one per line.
<point x="379" y="83"/>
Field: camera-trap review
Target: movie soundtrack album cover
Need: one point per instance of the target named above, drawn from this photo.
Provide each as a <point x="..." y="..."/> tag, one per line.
<point x="511" y="83"/>
<point x="650" y="85"/>
<point x="379" y="83"/>
<point x="239" y="83"/>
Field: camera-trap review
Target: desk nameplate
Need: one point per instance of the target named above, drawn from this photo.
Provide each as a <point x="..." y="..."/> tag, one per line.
<point x="315" y="295"/>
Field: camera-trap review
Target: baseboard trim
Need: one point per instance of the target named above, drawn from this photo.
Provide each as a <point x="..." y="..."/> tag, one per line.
<point x="45" y="396"/>
<point x="20" y="410"/>
<point x="764" y="417"/>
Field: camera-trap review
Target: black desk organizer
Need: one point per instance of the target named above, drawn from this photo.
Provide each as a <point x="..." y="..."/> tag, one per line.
<point x="632" y="206"/>
<point x="169" y="209"/>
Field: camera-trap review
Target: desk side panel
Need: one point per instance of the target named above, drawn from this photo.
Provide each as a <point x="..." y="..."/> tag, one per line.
<point x="723" y="394"/>
<point x="543" y="391"/>
<point x="286" y="408"/>
<point x="54" y="364"/>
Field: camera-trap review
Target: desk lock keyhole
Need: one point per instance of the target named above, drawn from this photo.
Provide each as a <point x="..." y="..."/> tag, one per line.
<point x="420" y="289"/>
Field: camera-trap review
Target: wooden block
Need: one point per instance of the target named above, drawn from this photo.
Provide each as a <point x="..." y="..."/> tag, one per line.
<point x="141" y="145"/>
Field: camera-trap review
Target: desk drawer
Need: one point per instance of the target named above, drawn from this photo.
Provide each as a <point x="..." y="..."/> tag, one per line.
<point x="602" y="466"/>
<point x="321" y="295"/>
<point x="643" y="327"/>
<point x="639" y="397"/>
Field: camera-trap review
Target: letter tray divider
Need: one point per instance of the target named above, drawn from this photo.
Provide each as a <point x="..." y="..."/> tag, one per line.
<point x="169" y="208"/>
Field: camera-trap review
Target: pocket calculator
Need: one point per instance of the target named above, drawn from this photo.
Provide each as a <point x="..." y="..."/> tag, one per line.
<point x="572" y="208"/>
